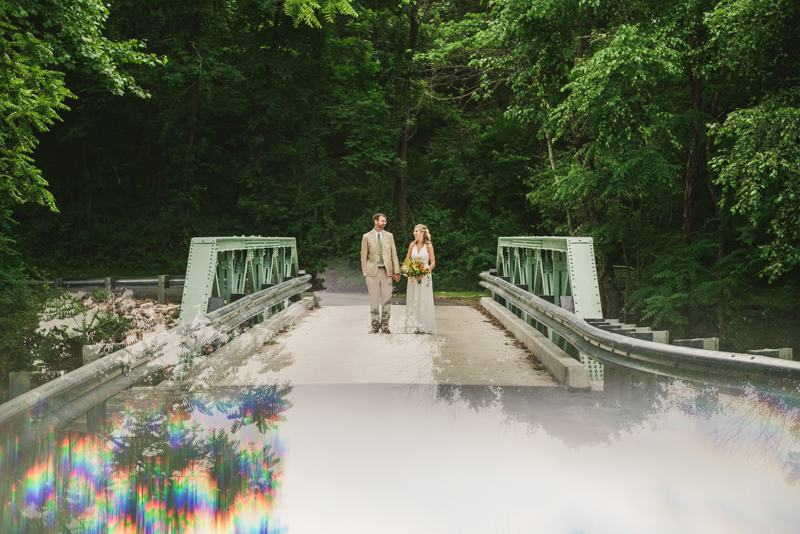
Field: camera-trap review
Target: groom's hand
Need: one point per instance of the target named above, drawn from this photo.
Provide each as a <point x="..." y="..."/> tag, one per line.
<point x="396" y="277"/>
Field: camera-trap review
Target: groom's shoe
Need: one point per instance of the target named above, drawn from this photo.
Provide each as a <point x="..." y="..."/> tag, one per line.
<point x="374" y="331"/>
<point x="385" y="330"/>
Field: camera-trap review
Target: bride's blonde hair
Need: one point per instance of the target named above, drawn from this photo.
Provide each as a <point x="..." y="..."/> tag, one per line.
<point x="424" y="231"/>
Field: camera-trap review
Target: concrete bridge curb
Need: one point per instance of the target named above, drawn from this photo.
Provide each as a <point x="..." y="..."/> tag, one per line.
<point x="565" y="369"/>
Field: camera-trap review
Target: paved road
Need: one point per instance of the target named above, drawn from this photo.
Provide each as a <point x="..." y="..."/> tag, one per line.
<point x="330" y="345"/>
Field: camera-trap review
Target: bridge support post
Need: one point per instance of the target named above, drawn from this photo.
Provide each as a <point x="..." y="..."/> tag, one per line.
<point x="634" y="391"/>
<point x="96" y="416"/>
<point x="641" y="393"/>
<point x="707" y="343"/>
<point x="163" y="284"/>
<point x="783" y="353"/>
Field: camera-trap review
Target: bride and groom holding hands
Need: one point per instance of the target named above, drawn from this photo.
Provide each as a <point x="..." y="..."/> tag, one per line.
<point x="380" y="266"/>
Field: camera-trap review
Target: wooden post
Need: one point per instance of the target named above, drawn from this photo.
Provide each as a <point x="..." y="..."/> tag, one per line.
<point x="162" y="285"/>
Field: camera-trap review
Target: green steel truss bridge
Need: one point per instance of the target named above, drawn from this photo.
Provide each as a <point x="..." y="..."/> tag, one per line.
<point x="543" y="289"/>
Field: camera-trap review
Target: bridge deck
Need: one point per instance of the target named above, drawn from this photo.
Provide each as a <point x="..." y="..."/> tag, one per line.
<point x="361" y="449"/>
<point x="330" y="345"/>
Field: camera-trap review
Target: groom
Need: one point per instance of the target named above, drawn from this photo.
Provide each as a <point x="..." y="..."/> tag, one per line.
<point x="378" y="259"/>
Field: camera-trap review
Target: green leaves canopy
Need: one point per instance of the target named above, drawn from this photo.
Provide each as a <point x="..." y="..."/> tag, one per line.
<point x="36" y="40"/>
<point x="758" y="167"/>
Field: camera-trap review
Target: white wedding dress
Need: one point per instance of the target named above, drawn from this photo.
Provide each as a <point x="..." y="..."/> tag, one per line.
<point x="420" y="316"/>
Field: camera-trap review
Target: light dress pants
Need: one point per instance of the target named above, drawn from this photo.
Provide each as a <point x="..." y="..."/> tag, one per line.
<point x="380" y="298"/>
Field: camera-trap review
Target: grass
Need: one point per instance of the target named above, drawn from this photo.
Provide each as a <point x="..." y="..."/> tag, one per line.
<point x="461" y="295"/>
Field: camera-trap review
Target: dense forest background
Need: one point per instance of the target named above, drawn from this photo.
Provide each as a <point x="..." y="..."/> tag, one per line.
<point x="668" y="130"/>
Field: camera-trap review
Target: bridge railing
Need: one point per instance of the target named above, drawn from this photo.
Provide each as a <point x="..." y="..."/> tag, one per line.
<point x="56" y="403"/>
<point x="226" y="268"/>
<point x="632" y="355"/>
<point x="560" y="267"/>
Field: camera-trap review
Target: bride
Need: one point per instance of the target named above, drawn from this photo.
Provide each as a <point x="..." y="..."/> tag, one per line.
<point x="420" y="317"/>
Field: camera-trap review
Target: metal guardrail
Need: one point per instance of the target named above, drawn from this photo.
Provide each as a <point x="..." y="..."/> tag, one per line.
<point x="124" y="281"/>
<point x="638" y="356"/>
<point x="56" y="403"/>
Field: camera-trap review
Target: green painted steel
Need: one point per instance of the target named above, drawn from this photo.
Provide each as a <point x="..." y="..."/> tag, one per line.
<point x="561" y="267"/>
<point x="220" y="267"/>
<point x="555" y="266"/>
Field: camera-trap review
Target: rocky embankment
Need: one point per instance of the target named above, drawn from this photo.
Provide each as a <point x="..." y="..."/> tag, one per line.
<point x="149" y="318"/>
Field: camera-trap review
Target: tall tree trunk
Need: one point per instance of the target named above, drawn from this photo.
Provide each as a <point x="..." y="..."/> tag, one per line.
<point x="400" y="185"/>
<point x="690" y="189"/>
<point x="609" y="292"/>
<point x="627" y="283"/>
<point x="132" y="185"/>
<point x="184" y="186"/>
<point x="187" y="154"/>
<point x="402" y="150"/>
<point x="695" y="159"/>
<point x="553" y="166"/>
<point x="88" y="187"/>
<point x="722" y="319"/>
<point x="276" y="23"/>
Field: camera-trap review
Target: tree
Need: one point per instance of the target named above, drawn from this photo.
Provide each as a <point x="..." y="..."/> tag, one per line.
<point x="37" y="39"/>
<point x="758" y="163"/>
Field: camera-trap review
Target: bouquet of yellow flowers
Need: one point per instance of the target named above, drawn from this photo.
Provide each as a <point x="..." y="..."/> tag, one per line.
<point x="414" y="269"/>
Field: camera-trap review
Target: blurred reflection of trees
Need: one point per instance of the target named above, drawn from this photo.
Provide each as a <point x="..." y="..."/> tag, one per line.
<point x="155" y="469"/>
<point x="763" y="426"/>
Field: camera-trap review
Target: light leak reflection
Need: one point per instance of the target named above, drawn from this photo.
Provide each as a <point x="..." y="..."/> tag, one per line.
<point x="154" y="471"/>
<point x="211" y="462"/>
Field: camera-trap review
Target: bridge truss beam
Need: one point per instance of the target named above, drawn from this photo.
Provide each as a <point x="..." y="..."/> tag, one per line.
<point x="552" y="268"/>
<point x="227" y="268"/>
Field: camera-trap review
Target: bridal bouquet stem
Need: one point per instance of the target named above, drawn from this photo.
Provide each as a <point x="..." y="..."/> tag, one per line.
<point x="415" y="270"/>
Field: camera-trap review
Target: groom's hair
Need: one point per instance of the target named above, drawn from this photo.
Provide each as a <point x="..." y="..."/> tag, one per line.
<point x="378" y="216"/>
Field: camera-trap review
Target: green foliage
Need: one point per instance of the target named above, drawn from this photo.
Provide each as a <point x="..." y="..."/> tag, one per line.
<point x="29" y="103"/>
<point x="20" y="305"/>
<point x="34" y="91"/>
<point x="61" y="347"/>
<point x="667" y="131"/>
<point x="612" y="90"/>
<point x="757" y="41"/>
<point x="304" y="11"/>
<point x="758" y="167"/>
<point x="680" y="290"/>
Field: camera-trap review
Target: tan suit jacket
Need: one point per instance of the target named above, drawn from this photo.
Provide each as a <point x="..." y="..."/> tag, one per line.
<point x="369" y="254"/>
